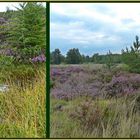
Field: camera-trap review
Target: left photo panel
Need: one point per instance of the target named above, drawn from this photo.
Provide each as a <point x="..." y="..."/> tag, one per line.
<point x="22" y="69"/>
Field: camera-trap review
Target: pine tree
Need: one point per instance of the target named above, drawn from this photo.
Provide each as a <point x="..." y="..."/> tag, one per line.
<point x="56" y="57"/>
<point x="73" y="56"/>
<point x="109" y="60"/>
<point x="27" y="30"/>
<point x="132" y="57"/>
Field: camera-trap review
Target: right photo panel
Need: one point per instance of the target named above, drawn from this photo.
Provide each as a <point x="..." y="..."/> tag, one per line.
<point x="95" y="70"/>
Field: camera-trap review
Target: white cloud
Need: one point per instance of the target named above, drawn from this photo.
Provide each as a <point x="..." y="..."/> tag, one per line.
<point x="109" y="23"/>
<point x="118" y="12"/>
<point x="75" y="33"/>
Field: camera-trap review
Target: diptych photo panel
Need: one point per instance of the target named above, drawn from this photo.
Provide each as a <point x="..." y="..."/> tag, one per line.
<point x="69" y="70"/>
<point x="22" y="70"/>
<point x="95" y="70"/>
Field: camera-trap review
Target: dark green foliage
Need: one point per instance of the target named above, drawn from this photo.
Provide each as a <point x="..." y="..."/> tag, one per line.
<point x="73" y="56"/>
<point x="101" y="59"/>
<point x="96" y="58"/>
<point x="132" y="57"/>
<point x="56" y="57"/>
<point x="85" y="59"/>
<point x="63" y="59"/>
<point x="3" y="31"/>
<point x="22" y="36"/>
<point x="27" y="31"/>
<point x="109" y="60"/>
<point x="5" y="18"/>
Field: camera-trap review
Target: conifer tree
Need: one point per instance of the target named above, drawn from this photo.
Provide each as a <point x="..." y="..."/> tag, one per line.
<point x="73" y="56"/>
<point x="109" y="60"/>
<point x="56" y="57"/>
<point x="132" y="57"/>
<point x="27" y="30"/>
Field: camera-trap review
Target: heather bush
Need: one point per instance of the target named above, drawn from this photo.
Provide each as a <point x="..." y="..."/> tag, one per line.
<point x="73" y="85"/>
<point x="71" y="82"/>
<point x="89" y="115"/>
<point x="123" y="84"/>
<point x="39" y="59"/>
<point x="93" y="114"/>
<point x="89" y="118"/>
<point x="80" y="95"/>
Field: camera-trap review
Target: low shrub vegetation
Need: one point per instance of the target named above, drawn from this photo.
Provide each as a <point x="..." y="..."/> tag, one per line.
<point x="91" y="101"/>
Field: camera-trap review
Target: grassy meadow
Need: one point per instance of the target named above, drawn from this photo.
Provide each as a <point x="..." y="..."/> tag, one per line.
<point x="23" y="111"/>
<point x="92" y="101"/>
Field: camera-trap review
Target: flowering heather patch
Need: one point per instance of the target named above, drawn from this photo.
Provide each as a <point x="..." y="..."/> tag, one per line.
<point x="40" y="58"/>
<point x="74" y="81"/>
<point x="79" y="93"/>
<point x="10" y="52"/>
<point x="56" y="71"/>
<point x="63" y="73"/>
<point x="123" y="84"/>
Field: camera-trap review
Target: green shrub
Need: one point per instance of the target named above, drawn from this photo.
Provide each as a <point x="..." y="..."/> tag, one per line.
<point x="132" y="57"/>
<point x="109" y="60"/>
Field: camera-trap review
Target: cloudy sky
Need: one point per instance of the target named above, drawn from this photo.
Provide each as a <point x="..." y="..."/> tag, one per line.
<point x="94" y="27"/>
<point x="11" y="5"/>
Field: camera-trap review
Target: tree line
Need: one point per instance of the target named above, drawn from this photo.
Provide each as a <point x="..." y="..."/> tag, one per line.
<point x="130" y="57"/>
<point x="74" y="56"/>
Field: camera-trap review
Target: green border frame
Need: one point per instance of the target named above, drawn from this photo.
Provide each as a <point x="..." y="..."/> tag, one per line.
<point x="48" y="2"/>
<point x="48" y="70"/>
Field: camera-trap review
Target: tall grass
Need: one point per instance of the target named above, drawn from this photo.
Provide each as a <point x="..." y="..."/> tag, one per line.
<point x="23" y="112"/>
<point x="86" y="118"/>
